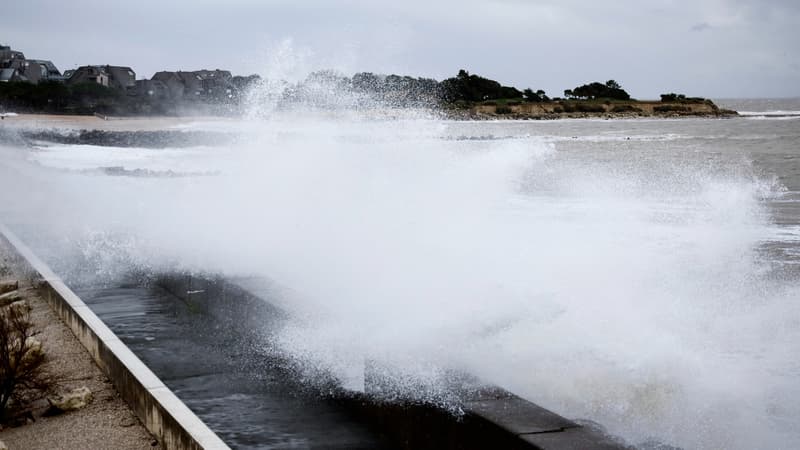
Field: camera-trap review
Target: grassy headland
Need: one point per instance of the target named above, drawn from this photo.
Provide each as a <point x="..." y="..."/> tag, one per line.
<point x="465" y="96"/>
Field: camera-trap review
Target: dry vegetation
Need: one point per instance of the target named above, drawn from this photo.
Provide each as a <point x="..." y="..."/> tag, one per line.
<point x="22" y="377"/>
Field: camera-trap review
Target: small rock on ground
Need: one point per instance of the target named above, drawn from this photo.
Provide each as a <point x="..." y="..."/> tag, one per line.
<point x="74" y="399"/>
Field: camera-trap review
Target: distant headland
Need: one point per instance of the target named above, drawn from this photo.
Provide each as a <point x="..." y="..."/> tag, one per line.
<point x="37" y="86"/>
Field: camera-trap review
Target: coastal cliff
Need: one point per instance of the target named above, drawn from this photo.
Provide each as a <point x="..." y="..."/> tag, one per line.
<point x="592" y="109"/>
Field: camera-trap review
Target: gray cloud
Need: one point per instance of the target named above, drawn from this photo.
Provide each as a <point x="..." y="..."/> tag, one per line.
<point x="701" y="27"/>
<point x="545" y="44"/>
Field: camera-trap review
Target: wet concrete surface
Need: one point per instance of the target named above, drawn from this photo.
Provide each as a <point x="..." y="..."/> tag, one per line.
<point x="234" y="386"/>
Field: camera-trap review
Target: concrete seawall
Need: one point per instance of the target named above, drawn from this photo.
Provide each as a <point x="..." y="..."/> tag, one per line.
<point x="494" y="417"/>
<point x="161" y="412"/>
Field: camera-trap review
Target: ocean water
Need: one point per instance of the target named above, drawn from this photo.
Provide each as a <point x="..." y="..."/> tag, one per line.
<point x="642" y="274"/>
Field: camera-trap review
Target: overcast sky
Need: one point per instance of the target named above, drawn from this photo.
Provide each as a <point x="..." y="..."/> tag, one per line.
<point x="713" y="48"/>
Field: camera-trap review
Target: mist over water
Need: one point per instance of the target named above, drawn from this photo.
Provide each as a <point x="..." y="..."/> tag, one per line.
<point x="623" y="272"/>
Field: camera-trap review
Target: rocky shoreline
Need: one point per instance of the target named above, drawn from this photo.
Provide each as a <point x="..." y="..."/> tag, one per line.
<point x="140" y="138"/>
<point x="571" y="109"/>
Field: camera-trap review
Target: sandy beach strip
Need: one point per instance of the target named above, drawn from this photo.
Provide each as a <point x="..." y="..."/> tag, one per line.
<point x="72" y="122"/>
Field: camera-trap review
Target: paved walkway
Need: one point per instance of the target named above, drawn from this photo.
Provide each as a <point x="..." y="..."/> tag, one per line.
<point x="106" y="423"/>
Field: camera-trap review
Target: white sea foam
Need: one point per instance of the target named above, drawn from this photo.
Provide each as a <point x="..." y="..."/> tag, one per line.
<point x="770" y="114"/>
<point x="88" y="157"/>
<point x="618" y="138"/>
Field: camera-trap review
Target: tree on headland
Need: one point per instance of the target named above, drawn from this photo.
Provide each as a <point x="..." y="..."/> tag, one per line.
<point x="535" y="97"/>
<point x="474" y="88"/>
<point x="610" y="90"/>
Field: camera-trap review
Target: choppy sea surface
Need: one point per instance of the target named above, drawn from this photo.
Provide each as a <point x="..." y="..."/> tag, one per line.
<point x="643" y="274"/>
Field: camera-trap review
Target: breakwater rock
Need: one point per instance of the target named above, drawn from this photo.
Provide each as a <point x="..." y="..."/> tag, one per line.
<point x="142" y="139"/>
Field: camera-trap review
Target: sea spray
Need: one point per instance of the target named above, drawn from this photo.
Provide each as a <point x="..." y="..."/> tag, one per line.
<point x="608" y="280"/>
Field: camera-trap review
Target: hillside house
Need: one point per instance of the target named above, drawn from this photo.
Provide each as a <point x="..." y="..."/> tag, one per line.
<point x="152" y="89"/>
<point x="15" y="67"/>
<point x="7" y="56"/>
<point x="196" y="85"/>
<point x="115" y="77"/>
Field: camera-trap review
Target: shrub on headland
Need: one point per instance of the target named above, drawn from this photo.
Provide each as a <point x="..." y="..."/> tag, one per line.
<point x="680" y="98"/>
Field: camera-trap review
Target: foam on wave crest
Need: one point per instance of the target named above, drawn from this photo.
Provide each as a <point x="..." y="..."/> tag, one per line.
<point x="624" y="288"/>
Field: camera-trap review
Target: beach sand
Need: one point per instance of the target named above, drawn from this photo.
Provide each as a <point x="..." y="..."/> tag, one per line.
<point x="48" y="121"/>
